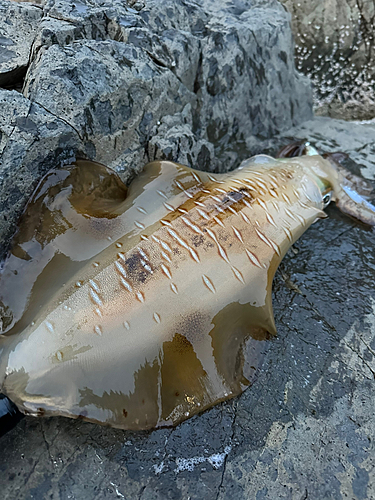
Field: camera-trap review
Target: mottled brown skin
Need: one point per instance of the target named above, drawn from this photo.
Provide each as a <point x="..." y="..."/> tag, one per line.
<point x="139" y="308"/>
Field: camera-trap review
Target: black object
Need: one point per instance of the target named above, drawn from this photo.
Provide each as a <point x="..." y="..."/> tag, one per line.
<point x="9" y="415"/>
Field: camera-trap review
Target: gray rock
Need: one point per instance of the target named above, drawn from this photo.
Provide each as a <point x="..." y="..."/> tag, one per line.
<point x="305" y="429"/>
<point x="32" y="141"/>
<point x="325" y="134"/>
<point x="19" y="25"/>
<point x="335" y="48"/>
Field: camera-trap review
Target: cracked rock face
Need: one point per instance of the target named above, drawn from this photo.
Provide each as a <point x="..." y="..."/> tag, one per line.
<point x="126" y="84"/>
<point x="335" y="48"/>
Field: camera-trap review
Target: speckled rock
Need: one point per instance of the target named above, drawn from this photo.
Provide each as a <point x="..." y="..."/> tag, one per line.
<point x="19" y="25"/>
<point x="31" y="140"/>
<point x="335" y="48"/>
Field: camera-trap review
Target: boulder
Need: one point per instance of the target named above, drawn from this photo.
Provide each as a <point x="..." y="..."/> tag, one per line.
<point x="335" y="48"/>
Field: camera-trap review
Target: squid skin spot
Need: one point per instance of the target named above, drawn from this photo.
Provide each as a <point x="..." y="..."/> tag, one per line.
<point x="182" y="210"/>
<point x="245" y="218"/>
<point x="191" y="225"/>
<point x="140" y="297"/>
<point x="270" y="219"/>
<point x="303" y="205"/>
<point x="165" y="257"/>
<point x="253" y="258"/>
<point x="157" y="318"/>
<point x="118" y="245"/>
<point x="162" y="194"/>
<point x="273" y="184"/>
<point x="95" y="297"/>
<point x="218" y="221"/>
<point x="289" y="214"/>
<point x="237" y="234"/>
<point x="139" y="225"/>
<point x="126" y="325"/>
<point x="59" y="355"/>
<point x="79" y="284"/>
<point x="222" y="253"/>
<point x="238" y="275"/>
<point x="98" y="312"/>
<point x="165" y="246"/>
<point x="288" y="234"/>
<point x="95" y="264"/>
<point x="196" y="177"/>
<point x="121" y="256"/>
<point x="203" y="214"/>
<point x="200" y="204"/>
<point x="286" y="198"/>
<point x="262" y="204"/>
<point x="301" y="219"/>
<point x="169" y="207"/>
<point x="267" y="241"/>
<point x="98" y="330"/>
<point x="183" y="243"/>
<point x="120" y="268"/>
<point x="50" y="327"/>
<point x="174" y="288"/>
<point x="144" y="237"/>
<point x="273" y="193"/>
<point x="142" y="210"/>
<point x="126" y="285"/>
<point x="194" y="255"/>
<point x="94" y="285"/>
<point x="208" y="283"/>
<point x="166" y="271"/>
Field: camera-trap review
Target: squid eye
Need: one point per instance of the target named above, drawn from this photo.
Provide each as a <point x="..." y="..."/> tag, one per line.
<point x="327" y="198"/>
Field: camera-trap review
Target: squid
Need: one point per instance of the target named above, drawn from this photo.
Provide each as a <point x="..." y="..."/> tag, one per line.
<point x="139" y="307"/>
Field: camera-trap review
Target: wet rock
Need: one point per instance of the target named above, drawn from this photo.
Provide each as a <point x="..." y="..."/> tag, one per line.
<point x="31" y="140"/>
<point x="327" y="135"/>
<point x="335" y="48"/>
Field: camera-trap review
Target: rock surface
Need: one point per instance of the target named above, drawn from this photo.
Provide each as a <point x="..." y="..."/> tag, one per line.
<point x="335" y="48"/>
<point x="305" y="429"/>
<point x="125" y="85"/>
